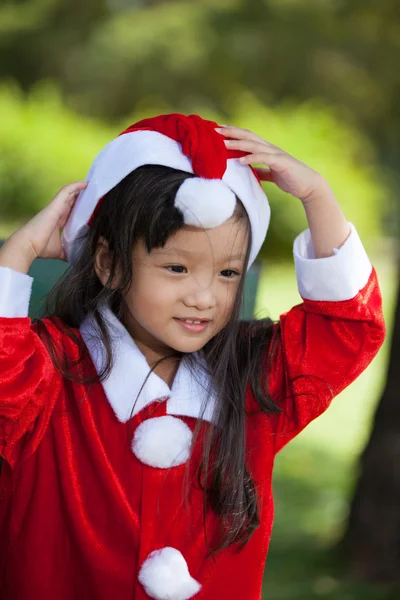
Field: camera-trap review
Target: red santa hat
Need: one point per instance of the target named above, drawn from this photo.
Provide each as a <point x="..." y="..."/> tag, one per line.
<point x="188" y="143"/>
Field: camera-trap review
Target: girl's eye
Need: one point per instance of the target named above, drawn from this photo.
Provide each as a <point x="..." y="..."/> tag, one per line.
<point x="176" y="269"/>
<point x="229" y="273"/>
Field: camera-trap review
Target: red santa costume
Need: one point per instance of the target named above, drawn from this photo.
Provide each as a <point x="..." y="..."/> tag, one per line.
<point x="91" y="499"/>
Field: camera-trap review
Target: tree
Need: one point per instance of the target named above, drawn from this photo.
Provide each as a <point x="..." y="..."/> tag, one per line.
<point x="372" y="540"/>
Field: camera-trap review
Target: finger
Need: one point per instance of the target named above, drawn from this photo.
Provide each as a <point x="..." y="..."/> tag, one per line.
<point x="63" y="218"/>
<point x="65" y="198"/>
<point x="69" y="191"/>
<point x="238" y="133"/>
<point x="250" y="146"/>
<point x="72" y="188"/>
<point x="265" y="174"/>
<point x="244" y="134"/>
<point x="271" y="160"/>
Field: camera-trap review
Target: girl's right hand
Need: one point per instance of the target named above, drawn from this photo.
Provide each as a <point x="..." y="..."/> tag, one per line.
<point x="41" y="236"/>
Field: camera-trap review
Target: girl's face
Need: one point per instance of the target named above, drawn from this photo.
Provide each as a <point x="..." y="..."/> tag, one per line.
<point x="183" y="294"/>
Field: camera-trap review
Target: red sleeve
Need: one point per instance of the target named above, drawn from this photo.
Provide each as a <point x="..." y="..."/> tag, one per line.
<point x="318" y="349"/>
<point x="29" y="387"/>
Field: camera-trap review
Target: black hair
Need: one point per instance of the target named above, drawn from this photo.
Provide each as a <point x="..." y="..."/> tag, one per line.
<point x="142" y="206"/>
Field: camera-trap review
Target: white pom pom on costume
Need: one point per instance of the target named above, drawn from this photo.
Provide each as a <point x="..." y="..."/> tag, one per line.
<point x="165" y="576"/>
<point x="162" y="442"/>
<point x="205" y="202"/>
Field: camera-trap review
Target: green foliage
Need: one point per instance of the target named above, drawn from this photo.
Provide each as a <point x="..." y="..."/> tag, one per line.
<point x="112" y="56"/>
<point x="43" y="146"/>
<point x="160" y="52"/>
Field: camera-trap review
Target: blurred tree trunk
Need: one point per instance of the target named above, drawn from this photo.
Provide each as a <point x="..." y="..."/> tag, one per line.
<point x="372" y="539"/>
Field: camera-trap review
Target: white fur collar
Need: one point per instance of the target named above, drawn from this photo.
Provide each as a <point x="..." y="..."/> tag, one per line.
<point x="123" y="386"/>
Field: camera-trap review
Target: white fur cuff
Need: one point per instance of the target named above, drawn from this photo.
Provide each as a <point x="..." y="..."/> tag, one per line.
<point x="15" y="293"/>
<point x="335" y="278"/>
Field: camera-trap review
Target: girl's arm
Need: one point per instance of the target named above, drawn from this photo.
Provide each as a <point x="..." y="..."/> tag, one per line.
<point x="29" y="382"/>
<point x="40" y="237"/>
<point x="323" y="344"/>
<point x="328" y="226"/>
<point x="320" y="346"/>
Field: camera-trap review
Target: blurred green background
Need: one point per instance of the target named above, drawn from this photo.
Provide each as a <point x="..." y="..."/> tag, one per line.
<point x="319" y="78"/>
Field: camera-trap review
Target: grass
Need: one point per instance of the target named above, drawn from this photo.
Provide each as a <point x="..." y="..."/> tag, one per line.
<point x="314" y="475"/>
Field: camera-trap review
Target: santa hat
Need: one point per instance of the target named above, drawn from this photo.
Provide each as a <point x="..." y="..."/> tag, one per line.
<point x="188" y="143"/>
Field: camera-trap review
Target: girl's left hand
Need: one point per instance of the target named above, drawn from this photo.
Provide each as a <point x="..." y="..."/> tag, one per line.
<point x="288" y="173"/>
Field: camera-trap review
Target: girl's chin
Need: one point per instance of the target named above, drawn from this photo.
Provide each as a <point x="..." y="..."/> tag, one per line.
<point x="189" y="346"/>
<point x="188" y="343"/>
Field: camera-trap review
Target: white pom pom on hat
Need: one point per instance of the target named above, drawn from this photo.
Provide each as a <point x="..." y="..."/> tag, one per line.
<point x="205" y="202"/>
<point x="187" y="143"/>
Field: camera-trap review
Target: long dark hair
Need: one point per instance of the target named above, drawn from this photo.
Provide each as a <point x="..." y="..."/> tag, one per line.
<point x="141" y="206"/>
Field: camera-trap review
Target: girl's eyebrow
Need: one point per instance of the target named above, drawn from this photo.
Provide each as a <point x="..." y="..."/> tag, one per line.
<point x="172" y="251"/>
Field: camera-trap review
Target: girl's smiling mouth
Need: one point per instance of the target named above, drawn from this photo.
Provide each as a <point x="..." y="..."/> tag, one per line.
<point x="193" y="324"/>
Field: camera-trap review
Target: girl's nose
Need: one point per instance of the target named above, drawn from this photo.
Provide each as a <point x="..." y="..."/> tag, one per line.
<point x="202" y="299"/>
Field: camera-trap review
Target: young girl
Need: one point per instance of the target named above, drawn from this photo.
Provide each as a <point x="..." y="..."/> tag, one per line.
<point x="140" y="419"/>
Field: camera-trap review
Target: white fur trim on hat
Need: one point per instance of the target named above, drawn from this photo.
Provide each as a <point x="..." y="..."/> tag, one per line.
<point x="205" y="202"/>
<point x="165" y="576"/>
<point x="162" y="442"/>
<point x="132" y="150"/>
